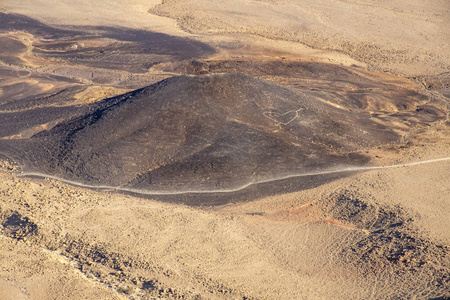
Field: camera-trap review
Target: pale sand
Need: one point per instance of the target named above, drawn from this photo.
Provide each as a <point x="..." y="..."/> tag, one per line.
<point x="404" y="37"/>
<point x="274" y="248"/>
<point x="82" y="244"/>
<point x="126" y="13"/>
<point x="396" y="36"/>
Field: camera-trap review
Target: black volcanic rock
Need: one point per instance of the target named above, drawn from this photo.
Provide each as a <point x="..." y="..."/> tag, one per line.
<point x="216" y="131"/>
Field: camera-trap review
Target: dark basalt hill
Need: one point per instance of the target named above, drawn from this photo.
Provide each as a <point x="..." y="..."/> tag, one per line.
<point x="204" y="132"/>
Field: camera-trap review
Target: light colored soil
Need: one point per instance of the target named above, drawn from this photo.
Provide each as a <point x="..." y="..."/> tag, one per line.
<point x="391" y="240"/>
<point x="282" y="247"/>
<point x="128" y="13"/>
<point x="41" y="274"/>
<point x="397" y="36"/>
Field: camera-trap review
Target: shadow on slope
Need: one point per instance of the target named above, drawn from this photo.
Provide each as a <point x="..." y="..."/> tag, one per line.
<point x="128" y="49"/>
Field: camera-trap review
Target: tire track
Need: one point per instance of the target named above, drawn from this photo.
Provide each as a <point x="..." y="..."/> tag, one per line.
<point x="240" y="188"/>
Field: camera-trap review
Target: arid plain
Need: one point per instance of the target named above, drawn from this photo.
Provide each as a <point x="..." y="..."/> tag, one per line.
<point x="237" y="149"/>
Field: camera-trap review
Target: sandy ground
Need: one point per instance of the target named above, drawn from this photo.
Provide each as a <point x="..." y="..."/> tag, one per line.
<point x="403" y="37"/>
<point x="126" y="13"/>
<point x="397" y="36"/>
<point x="390" y="238"/>
<point x="80" y="244"/>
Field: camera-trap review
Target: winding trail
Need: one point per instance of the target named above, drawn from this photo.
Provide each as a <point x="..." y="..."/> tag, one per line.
<point x="242" y="187"/>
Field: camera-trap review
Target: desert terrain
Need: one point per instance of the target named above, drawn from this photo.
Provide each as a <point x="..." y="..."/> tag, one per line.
<point x="184" y="149"/>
